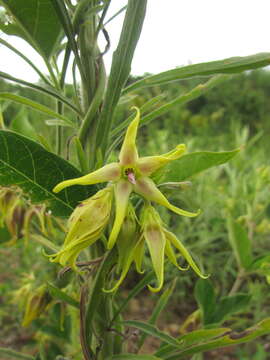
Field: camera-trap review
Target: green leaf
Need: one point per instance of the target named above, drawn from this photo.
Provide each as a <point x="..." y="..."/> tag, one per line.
<point x="240" y="243"/>
<point x="132" y="356"/>
<point x="206" y="298"/>
<point x="194" y="337"/>
<point x="15" y="354"/>
<point x="230" y="305"/>
<point x="226" y="66"/>
<point x="37" y="22"/>
<point x="229" y="339"/>
<point x="121" y="65"/>
<point x="28" y="165"/>
<point x="36" y="106"/>
<point x="56" y="122"/>
<point x="22" y="125"/>
<point x="194" y="163"/>
<point x="61" y="295"/>
<point x="135" y="291"/>
<point x="153" y="331"/>
<point x="160" y="306"/>
<point x="46" y="90"/>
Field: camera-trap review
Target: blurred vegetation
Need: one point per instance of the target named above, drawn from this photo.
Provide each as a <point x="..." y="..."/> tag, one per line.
<point x="234" y="197"/>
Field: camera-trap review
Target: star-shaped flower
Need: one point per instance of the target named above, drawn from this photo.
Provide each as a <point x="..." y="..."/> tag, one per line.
<point x="131" y="173"/>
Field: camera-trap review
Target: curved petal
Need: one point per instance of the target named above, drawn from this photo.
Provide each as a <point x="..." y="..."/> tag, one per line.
<point x="110" y="172"/>
<point x="149" y="164"/>
<point x="129" y="154"/>
<point x="179" y="246"/>
<point x="156" y="241"/>
<point x="147" y="188"/>
<point x="171" y="256"/>
<point x="122" y="191"/>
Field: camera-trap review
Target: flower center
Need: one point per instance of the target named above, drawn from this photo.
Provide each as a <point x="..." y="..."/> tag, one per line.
<point x="130" y="174"/>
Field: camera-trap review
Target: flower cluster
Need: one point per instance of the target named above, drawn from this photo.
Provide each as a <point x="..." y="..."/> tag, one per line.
<point x="89" y="220"/>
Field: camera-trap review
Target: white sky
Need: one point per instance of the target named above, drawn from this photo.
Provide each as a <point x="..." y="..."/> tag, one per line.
<point x="175" y="33"/>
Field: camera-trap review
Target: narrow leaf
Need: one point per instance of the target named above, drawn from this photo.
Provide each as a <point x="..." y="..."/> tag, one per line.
<point x="28" y="165"/>
<point x="226" y="66"/>
<point x="55" y="122"/>
<point x="160" y="306"/>
<point x="240" y="243"/>
<point x="229" y="339"/>
<point x="132" y="356"/>
<point x="121" y="65"/>
<point x="205" y="296"/>
<point x="230" y="305"/>
<point x="46" y="90"/>
<point x="35" y="106"/>
<point x="193" y="337"/>
<point x="61" y="295"/>
<point x="194" y="163"/>
<point x="153" y="331"/>
<point x="15" y="354"/>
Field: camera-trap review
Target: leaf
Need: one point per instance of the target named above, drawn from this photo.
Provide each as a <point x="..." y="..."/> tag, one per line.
<point x="121" y="65"/>
<point x="135" y="291"/>
<point x="229" y="339"/>
<point x="132" y="356"/>
<point x="47" y="90"/>
<point x="206" y="298"/>
<point x="227" y="66"/>
<point x="61" y="295"/>
<point x="15" y="354"/>
<point x="56" y="122"/>
<point x="230" y="305"/>
<point x="194" y="337"/>
<point x="22" y="125"/>
<point x="194" y="163"/>
<point x="37" y="22"/>
<point x="240" y="243"/>
<point x="36" y="106"/>
<point x="160" y="306"/>
<point x="153" y="331"/>
<point x="28" y="165"/>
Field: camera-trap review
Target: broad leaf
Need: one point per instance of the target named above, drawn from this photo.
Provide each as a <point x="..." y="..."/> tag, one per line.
<point x="28" y="165"/>
<point x="194" y="163"/>
<point x="240" y="243"/>
<point x="226" y="66"/>
<point x="35" y="21"/>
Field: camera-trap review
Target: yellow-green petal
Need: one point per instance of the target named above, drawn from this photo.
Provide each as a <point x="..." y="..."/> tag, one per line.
<point x="128" y="153"/>
<point x="171" y="256"/>
<point x="122" y="190"/>
<point x="125" y="268"/>
<point x="146" y="187"/>
<point x="156" y="241"/>
<point x="149" y="164"/>
<point x="110" y="172"/>
<point x="178" y="244"/>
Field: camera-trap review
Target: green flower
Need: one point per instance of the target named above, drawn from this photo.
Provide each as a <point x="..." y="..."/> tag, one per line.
<point x="131" y="173"/>
<point x="160" y="243"/>
<point x="85" y="226"/>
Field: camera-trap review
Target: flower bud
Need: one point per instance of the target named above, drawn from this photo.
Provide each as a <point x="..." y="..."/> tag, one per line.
<point x="85" y="226"/>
